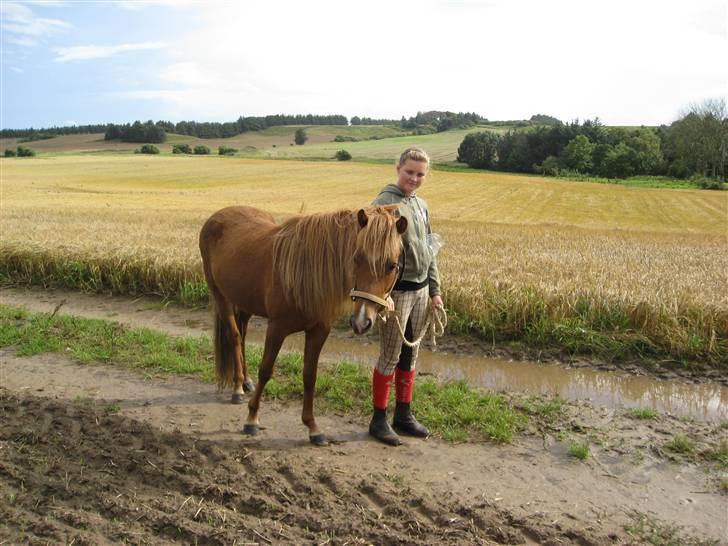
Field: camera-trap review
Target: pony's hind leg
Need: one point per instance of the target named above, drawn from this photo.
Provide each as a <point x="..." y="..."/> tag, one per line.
<point x="274" y="337"/>
<point x="229" y="347"/>
<point x="241" y="375"/>
<point x="315" y="339"/>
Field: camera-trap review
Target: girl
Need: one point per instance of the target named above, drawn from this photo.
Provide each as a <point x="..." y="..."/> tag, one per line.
<point x="418" y="286"/>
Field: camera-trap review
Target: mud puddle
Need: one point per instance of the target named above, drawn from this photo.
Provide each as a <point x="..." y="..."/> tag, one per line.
<point x="456" y="360"/>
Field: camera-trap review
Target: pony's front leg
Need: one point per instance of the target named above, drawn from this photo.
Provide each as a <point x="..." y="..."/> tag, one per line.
<point x="315" y="339"/>
<point x="274" y="337"/>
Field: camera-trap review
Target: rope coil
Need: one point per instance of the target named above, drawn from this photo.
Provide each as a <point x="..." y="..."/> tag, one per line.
<point x="435" y="323"/>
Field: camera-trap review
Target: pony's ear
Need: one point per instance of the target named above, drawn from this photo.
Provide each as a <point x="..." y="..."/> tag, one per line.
<point x="362" y="217"/>
<point x="401" y="225"/>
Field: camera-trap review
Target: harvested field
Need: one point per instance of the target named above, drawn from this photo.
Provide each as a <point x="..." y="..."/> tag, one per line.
<point x="589" y="269"/>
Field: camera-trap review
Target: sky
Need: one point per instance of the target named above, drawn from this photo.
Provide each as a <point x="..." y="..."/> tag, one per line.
<point x="627" y="62"/>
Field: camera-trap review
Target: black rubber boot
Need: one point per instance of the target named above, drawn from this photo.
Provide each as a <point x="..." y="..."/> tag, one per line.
<point x="380" y="429"/>
<point x="405" y="423"/>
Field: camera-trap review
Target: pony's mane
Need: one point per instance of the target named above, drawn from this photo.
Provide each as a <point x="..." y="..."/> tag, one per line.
<point x="313" y="256"/>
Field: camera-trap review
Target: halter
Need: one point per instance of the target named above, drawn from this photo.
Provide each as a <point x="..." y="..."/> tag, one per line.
<point x="382" y="302"/>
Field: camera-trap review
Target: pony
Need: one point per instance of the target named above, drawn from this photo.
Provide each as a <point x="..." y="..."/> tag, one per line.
<point x="297" y="274"/>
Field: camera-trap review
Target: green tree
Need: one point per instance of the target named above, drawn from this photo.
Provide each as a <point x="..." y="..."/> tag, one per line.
<point x="342" y="155"/>
<point x="300" y="137"/>
<point x="577" y="155"/>
<point x="700" y="139"/>
<point x="619" y="162"/>
<point x="201" y="149"/>
<point x="479" y="150"/>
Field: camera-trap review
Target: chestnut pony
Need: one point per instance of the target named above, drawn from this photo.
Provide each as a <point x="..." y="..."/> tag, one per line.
<point x="298" y="274"/>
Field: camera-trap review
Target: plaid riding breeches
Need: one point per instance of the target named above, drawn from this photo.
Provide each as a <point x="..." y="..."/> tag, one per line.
<point x="412" y="308"/>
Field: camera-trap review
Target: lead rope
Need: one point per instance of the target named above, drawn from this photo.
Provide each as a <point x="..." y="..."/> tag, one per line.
<point x="435" y="323"/>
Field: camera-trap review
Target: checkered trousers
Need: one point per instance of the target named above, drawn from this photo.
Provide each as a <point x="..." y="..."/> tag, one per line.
<point x="412" y="308"/>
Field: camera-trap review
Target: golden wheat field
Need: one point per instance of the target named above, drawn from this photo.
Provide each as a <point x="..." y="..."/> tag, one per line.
<point x="524" y="256"/>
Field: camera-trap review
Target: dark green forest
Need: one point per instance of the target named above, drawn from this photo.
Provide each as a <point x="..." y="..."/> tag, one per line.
<point x="695" y="146"/>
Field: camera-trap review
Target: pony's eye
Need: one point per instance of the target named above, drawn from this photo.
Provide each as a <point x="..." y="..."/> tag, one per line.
<point x="391" y="266"/>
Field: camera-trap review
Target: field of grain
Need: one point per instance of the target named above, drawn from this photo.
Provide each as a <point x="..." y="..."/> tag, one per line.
<point x="595" y="268"/>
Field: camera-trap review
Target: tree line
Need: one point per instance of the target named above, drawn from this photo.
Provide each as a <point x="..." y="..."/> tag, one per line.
<point x="422" y="123"/>
<point x="694" y="145"/>
<point x="38" y="134"/>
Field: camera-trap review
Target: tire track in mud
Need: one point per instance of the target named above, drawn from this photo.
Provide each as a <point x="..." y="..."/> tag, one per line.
<point x="72" y="472"/>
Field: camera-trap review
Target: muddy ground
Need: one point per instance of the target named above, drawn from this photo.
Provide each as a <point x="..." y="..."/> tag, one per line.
<point x="96" y="454"/>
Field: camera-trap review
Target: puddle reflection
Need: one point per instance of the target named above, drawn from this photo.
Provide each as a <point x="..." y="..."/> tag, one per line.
<point x="707" y="402"/>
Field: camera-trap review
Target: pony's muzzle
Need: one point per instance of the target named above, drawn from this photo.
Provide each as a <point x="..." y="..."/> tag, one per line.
<point x="359" y="325"/>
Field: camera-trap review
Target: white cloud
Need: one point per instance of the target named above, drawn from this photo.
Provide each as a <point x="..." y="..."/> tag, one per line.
<point x="23" y="24"/>
<point x="83" y="53"/>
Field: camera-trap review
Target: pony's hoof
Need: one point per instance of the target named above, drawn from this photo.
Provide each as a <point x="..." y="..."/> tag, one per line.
<point x="248" y="386"/>
<point x="251" y="430"/>
<point x="237" y="398"/>
<point x="319" y="440"/>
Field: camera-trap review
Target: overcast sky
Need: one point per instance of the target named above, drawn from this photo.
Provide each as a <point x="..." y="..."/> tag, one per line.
<point x="627" y="62"/>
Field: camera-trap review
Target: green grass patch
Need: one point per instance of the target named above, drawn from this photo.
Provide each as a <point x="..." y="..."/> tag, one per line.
<point x="451" y="410"/>
<point x="681" y="444"/>
<point x="642" y="413"/>
<point x="546" y="409"/>
<point x="579" y="450"/>
<point x="718" y="454"/>
<point x="650" y="531"/>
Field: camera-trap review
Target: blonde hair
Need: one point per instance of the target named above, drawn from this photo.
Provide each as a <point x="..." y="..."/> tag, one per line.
<point x="415" y="154"/>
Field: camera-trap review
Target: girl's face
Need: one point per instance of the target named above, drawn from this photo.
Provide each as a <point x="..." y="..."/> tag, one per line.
<point x="410" y="175"/>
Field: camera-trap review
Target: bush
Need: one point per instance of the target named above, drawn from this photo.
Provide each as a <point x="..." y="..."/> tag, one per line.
<point x="201" y="150"/>
<point x="23" y="151"/>
<point x="706" y="183"/>
<point x="342" y="155"/>
<point x="224" y="150"/>
<point x="148" y="149"/>
<point x="549" y="167"/>
<point x="181" y="149"/>
<point x="342" y="138"/>
<point x="10" y="153"/>
<point x="300" y="137"/>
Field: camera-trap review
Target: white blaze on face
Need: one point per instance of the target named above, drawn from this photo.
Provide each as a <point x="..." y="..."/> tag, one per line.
<point x="361" y="317"/>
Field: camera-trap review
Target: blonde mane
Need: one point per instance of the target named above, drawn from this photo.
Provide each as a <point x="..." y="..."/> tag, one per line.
<point x="313" y="256"/>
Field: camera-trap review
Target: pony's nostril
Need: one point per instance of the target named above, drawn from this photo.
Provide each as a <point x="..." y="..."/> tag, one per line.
<point x="367" y="324"/>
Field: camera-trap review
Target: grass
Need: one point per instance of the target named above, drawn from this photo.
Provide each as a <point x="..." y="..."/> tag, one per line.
<point x="615" y="272"/>
<point x="451" y="410"/>
<point x="650" y="531"/>
<point x="642" y="413"/>
<point x="681" y="444"/>
<point x="548" y="410"/>
<point x="718" y="455"/>
<point x="579" y="450"/>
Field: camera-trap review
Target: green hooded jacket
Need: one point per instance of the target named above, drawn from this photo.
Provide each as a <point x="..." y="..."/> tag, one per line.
<point x="420" y="264"/>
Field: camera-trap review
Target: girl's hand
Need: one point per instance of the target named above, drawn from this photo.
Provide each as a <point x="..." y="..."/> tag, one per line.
<point x="390" y="303"/>
<point x="437" y="302"/>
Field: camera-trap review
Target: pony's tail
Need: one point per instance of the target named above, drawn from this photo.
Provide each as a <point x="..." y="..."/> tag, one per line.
<point x="224" y="354"/>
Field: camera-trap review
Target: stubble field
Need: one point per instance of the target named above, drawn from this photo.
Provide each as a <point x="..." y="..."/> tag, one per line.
<point x="587" y="268"/>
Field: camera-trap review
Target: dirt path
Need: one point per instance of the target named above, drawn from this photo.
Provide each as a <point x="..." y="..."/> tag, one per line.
<point x="98" y="454"/>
